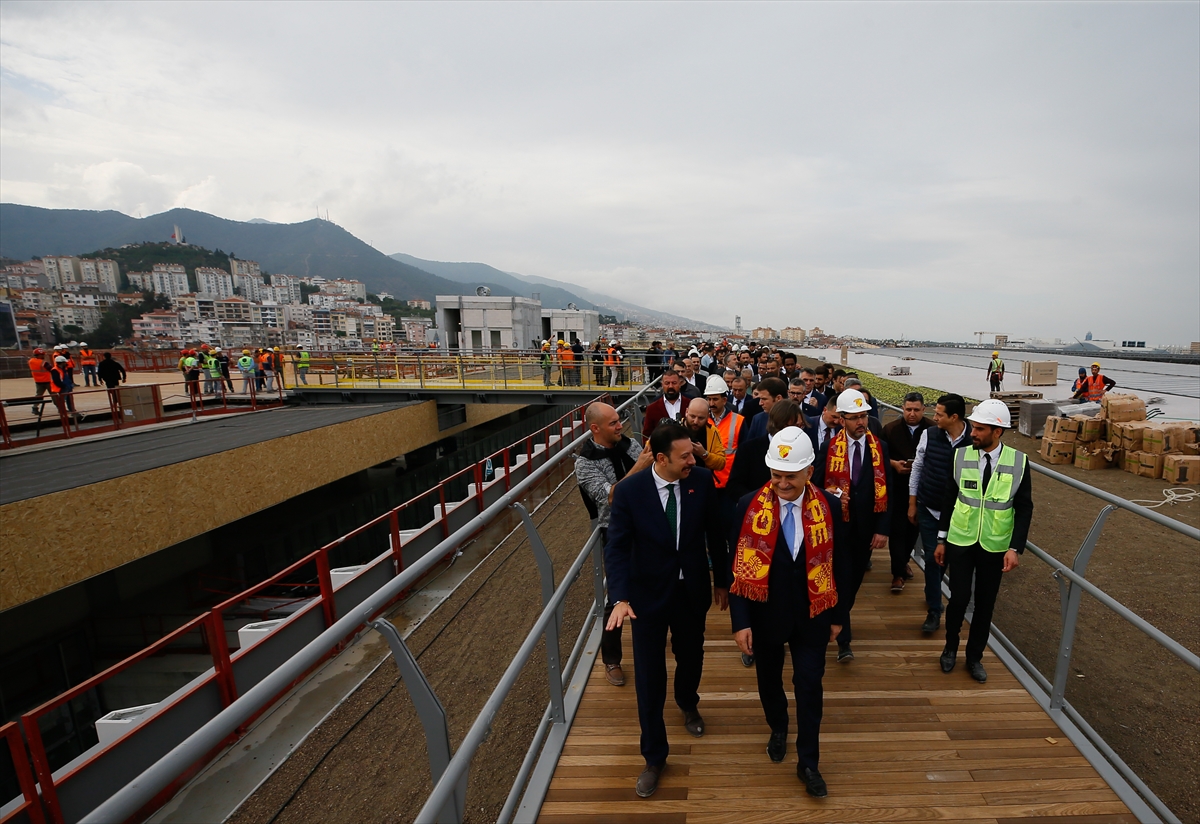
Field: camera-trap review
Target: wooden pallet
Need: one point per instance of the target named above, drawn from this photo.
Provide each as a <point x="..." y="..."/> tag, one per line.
<point x="900" y="741"/>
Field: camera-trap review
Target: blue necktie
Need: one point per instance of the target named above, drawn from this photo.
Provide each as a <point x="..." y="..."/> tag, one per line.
<point x="789" y="527"/>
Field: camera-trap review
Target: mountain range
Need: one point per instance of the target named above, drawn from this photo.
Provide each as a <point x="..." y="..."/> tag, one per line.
<point x="315" y="248"/>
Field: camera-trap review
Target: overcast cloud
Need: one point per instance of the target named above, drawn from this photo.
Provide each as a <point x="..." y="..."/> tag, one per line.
<point x="919" y="169"/>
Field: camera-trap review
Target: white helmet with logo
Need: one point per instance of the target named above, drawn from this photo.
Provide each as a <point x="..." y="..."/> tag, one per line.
<point x="790" y="450"/>
<point x="992" y="412"/>
<point x="851" y="402"/>
<point x="715" y="386"/>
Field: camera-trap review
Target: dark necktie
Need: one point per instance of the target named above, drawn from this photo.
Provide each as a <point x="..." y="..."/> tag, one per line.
<point x="671" y="515"/>
<point x="856" y="463"/>
<point x="987" y="471"/>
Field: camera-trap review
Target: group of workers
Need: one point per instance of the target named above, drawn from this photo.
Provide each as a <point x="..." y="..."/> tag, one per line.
<point x="607" y="360"/>
<point x="53" y="374"/>
<point x="1087" y="387"/>
<point x="258" y="369"/>
<point x="769" y="487"/>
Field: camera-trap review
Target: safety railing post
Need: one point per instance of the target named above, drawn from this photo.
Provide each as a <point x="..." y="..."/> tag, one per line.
<point x="378" y="379"/>
<point x="445" y="514"/>
<point x="5" y="435"/>
<point x="156" y="395"/>
<point x="504" y="369"/>
<point x="24" y="775"/>
<point x="1071" y="596"/>
<point x="420" y="370"/>
<point x="218" y="646"/>
<point x="397" y="550"/>
<point x="326" y="582"/>
<point x="553" y="652"/>
<point x="479" y="486"/>
<point x="41" y="766"/>
<point x="433" y="719"/>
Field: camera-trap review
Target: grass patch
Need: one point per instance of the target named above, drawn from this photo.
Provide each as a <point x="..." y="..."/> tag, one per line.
<point x="893" y="392"/>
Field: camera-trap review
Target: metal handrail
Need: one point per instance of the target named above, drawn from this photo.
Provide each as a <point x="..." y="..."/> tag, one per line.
<point x="131" y="798"/>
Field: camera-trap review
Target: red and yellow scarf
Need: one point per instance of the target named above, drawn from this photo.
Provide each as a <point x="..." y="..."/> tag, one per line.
<point x="837" y="471"/>
<point x="756" y="546"/>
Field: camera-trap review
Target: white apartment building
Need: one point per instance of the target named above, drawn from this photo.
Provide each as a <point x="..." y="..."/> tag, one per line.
<point x="353" y="289"/>
<point x="141" y="281"/>
<point x="324" y="300"/>
<point x="196" y="307"/>
<point x="380" y="328"/>
<point x="245" y="268"/>
<point x="418" y="304"/>
<point x="234" y="310"/>
<point x="157" y="325"/>
<point x="86" y="318"/>
<point x="793" y="334"/>
<point x="287" y="288"/>
<point x="237" y="335"/>
<point x="103" y="273"/>
<point x="93" y="299"/>
<point x="268" y="314"/>
<point x="62" y="270"/>
<point x="169" y="279"/>
<point x="202" y="331"/>
<point x="214" y="282"/>
<point x="250" y="287"/>
<point x="23" y="281"/>
<point x="415" y="330"/>
<point x="303" y="338"/>
<point x="298" y="316"/>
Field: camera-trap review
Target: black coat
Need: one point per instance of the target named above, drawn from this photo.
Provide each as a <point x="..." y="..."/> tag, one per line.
<point x="774" y="620"/>
<point x="863" y="517"/>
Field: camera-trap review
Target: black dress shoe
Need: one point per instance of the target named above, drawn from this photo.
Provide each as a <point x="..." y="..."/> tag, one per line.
<point x="932" y="621"/>
<point x="777" y="746"/>
<point x="647" y="782"/>
<point x="949" y="659"/>
<point x="976" y="670"/>
<point x="693" y="723"/>
<point x="747" y="660"/>
<point x="814" y="784"/>
<point x="845" y="654"/>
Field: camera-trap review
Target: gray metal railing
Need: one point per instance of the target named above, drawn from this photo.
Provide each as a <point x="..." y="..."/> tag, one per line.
<point x="1072" y="583"/>
<point x="445" y="803"/>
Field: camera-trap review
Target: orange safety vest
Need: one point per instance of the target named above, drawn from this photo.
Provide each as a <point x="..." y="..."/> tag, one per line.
<point x="87" y="357"/>
<point x="568" y="354"/>
<point x="610" y="357"/>
<point x="1095" y="387"/>
<point x="62" y="377"/>
<point x="730" y="430"/>
<point x="37" y="368"/>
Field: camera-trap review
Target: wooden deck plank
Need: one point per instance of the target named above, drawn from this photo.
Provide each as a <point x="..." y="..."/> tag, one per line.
<point x="901" y="741"/>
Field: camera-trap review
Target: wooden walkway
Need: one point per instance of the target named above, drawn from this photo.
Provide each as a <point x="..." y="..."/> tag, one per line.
<point x="900" y="740"/>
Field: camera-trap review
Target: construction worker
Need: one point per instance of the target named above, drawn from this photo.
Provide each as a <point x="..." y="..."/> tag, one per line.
<point x="87" y="360"/>
<point x="995" y="372"/>
<point x="41" y="377"/>
<point x="207" y="361"/>
<point x="266" y="363"/>
<point x="546" y="362"/>
<point x="213" y="370"/>
<point x="302" y="364"/>
<point x="567" y="355"/>
<point x="184" y="354"/>
<point x="223" y="363"/>
<point x="1093" y="387"/>
<point x="610" y="361"/>
<point x="728" y="425"/>
<point x="986" y="512"/>
<point x="245" y="365"/>
<point x="62" y="385"/>
<point x="191" y="365"/>
<point x="277" y="364"/>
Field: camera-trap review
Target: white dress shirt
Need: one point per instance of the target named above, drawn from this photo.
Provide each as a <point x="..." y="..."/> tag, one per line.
<point x="673" y="409"/>
<point x="914" y="476"/>
<point x="661" y="486"/>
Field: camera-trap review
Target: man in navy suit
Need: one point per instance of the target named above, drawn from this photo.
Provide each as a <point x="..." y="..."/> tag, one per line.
<point x="769" y="392"/>
<point x="867" y="529"/>
<point x="658" y="574"/>
<point x="762" y="628"/>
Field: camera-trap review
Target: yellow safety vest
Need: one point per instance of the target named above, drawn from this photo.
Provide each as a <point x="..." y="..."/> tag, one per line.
<point x="985" y="517"/>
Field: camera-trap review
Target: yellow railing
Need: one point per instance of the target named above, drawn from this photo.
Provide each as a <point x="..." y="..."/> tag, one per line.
<point x="437" y="369"/>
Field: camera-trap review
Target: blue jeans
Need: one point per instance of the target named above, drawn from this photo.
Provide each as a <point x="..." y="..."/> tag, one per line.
<point x="928" y="527"/>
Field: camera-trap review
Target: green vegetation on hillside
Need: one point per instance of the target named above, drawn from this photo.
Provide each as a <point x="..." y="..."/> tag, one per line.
<point x="116" y="324"/>
<point x="399" y="309"/>
<point x="142" y="257"/>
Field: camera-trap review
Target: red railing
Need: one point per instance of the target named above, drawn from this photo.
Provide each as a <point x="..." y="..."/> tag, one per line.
<point x="211" y="623"/>
<point x="69" y="412"/>
<point x="16" y="748"/>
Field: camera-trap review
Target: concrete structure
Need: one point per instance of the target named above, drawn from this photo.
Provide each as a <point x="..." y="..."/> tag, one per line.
<point x="570" y="325"/>
<point x="105" y="274"/>
<point x="245" y="268"/>
<point x="61" y="270"/>
<point x="287" y="288"/>
<point x="169" y="279"/>
<point x="489" y="323"/>
<point x="86" y="318"/>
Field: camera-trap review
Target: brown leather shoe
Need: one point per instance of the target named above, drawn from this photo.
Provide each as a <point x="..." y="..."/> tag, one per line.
<point x="614" y="675"/>
<point x="647" y="782"/>
<point x="897" y="585"/>
<point x="693" y="723"/>
<point x="908" y="573"/>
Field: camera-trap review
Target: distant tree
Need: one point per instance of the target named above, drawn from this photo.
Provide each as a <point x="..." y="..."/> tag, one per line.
<point x="608" y="319"/>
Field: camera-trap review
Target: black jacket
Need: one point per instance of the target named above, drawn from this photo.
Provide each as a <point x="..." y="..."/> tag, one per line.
<point x="863" y="517"/>
<point x="786" y="606"/>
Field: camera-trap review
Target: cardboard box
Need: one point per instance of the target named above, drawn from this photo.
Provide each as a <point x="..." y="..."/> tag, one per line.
<point x="1039" y="373"/>
<point x="1090" y="459"/>
<point x="1091" y="429"/>
<point x="1150" y="465"/>
<point x="1181" y="469"/>
<point x="1064" y="430"/>
<point x="1164" y="439"/>
<point x="1117" y="407"/>
<point x="1032" y="421"/>
<point x="1058" y="452"/>
<point x="1191" y="449"/>
<point x="1132" y="462"/>
<point x="1131" y="434"/>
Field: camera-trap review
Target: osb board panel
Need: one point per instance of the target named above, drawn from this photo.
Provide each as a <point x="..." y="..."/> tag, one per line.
<point x="101" y="526"/>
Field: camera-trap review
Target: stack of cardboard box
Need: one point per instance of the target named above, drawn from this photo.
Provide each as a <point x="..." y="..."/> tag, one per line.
<point x="1163" y="450"/>
<point x="1078" y="439"/>
<point x="1058" y="439"/>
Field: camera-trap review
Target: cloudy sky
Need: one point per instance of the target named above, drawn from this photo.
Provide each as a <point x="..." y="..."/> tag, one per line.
<point x="878" y="169"/>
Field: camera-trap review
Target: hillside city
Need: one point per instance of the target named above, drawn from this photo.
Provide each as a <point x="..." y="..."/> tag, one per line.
<point x="59" y="298"/>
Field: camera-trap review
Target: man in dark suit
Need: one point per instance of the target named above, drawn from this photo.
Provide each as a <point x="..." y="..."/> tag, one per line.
<point x="802" y="606"/>
<point x="769" y="392"/>
<point x="658" y="574"/>
<point x="847" y="467"/>
<point x="740" y="402"/>
<point x="902" y="436"/>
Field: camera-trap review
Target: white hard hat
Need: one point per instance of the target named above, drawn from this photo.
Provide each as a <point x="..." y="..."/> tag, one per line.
<point x="744" y="348"/>
<point x="693" y="351"/>
<point x="84" y="343"/>
<point x="716" y="386"/>
<point x="790" y="451"/>
<point x="60" y="359"/>
<point x="851" y="402"/>
<point x="992" y="412"/>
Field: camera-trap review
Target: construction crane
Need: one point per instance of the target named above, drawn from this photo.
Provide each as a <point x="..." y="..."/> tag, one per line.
<point x="998" y="342"/>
